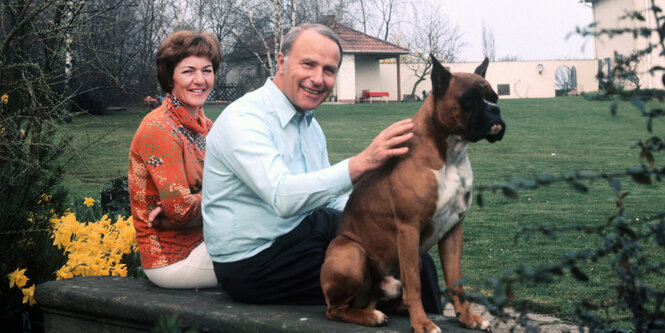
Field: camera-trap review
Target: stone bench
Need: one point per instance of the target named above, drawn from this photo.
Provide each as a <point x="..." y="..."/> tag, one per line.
<point x="117" y="304"/>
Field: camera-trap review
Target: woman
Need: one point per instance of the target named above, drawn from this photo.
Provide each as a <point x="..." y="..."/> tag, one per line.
<point x="166" y="165"/>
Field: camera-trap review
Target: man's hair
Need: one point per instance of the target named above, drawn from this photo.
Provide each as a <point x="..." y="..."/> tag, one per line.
<point x="296" y="31"/>
<point x="181" y="45"/>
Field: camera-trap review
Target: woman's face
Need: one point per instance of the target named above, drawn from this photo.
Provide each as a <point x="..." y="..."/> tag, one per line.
<point x="193" y="79"/>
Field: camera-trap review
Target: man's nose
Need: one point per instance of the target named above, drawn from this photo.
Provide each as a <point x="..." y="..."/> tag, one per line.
<point x="317" y="76"/>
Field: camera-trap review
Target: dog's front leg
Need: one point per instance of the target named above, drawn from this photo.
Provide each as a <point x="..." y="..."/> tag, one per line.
<point x="408" y="241"/>
<point x="450" y="252"/>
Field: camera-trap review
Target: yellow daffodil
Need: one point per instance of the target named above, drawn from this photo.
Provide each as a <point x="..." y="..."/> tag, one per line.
<point x="4" y="99"/>
<point x="65" y="272"/>
<point x="93" y="248"/>
<point x="88" y="201"/>
<point x="18" y="278"/>
<point x="43" y="199"/>
<point x="29" y="295"/>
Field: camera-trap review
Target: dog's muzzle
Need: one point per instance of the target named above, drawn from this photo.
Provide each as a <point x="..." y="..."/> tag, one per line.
<point x="481" y="123"/>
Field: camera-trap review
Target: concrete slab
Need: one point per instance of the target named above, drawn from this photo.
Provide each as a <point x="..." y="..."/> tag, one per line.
<point x="117" y="304"/>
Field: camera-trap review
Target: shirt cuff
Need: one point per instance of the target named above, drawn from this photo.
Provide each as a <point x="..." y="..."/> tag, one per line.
<point x="340" y="178"/>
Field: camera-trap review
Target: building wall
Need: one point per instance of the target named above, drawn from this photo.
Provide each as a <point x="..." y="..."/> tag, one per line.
<point x="607" y="15"/>
<point x="345" y="85"/>
<point x="522" y="77"/>
<point x="367" y="74"/>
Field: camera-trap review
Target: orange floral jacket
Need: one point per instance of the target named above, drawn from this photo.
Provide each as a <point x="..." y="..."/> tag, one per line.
<point x="166" y="165"/>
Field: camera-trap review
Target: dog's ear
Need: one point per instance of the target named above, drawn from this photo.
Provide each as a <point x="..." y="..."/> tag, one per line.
<point x="482" y="68"/>
<point x="440" y="77"/>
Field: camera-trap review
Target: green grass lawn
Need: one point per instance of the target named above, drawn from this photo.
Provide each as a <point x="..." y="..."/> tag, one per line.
<point x="543" y="136"/>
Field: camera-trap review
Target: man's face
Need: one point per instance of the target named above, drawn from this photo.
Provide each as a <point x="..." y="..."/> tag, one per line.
<point x="307" y="75"/>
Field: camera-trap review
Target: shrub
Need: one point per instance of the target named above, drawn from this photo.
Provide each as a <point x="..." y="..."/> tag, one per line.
<point x="115" y="197"/>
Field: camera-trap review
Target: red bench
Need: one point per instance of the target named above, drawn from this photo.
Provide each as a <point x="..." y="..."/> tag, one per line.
<point x="370" y="95"/>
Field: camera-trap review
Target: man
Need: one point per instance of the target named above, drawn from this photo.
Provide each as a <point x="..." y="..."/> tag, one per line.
<point x="271" y="199"/>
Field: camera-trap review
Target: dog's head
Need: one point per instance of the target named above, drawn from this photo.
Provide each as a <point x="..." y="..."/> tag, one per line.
<point x="465" y="103"/>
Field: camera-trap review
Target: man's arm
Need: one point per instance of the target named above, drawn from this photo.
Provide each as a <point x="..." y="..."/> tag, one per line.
<point x="256" y="152"/>
<point x="180" y="206"/>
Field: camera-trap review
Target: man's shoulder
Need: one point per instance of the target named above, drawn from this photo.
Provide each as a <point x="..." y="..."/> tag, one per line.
<point x="249" y="112"/>
<point x="259" y="95"/>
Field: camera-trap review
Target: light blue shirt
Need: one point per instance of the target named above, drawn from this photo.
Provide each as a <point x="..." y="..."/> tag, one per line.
<point x="266" y="168"/>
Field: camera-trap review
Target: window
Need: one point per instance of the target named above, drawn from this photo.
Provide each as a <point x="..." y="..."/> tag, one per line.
<point x="503" y="89"/>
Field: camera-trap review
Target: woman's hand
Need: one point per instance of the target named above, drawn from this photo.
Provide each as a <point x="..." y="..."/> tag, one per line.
<point x="386" y="145"/>
<point x="156" y="219"/>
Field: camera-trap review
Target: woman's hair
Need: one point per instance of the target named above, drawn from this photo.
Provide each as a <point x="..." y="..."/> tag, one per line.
<point x="180" y="45"/>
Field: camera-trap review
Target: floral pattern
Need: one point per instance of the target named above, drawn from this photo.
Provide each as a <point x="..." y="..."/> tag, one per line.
<point x="166" y="166"/>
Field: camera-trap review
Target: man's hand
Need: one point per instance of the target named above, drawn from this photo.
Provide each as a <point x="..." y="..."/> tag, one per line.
<point x="386" y="145"/>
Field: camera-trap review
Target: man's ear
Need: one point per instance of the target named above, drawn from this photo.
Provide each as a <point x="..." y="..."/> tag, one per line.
<point x="440" y="77"/>
<point x="482" y="68"/>
<point x="280" y="62"/>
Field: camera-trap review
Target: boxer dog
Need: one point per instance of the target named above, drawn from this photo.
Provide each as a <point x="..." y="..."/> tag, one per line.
<point x="399" y="211"/>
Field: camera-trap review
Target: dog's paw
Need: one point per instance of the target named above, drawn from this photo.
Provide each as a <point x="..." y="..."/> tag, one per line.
<point x="436" y="329"/>
<point x="476" y="322"/>
<point x="380" y="318"/>
<point x="426" y="326"/>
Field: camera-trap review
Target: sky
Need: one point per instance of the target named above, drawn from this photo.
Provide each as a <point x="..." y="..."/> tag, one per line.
<point x="528" y="29"/>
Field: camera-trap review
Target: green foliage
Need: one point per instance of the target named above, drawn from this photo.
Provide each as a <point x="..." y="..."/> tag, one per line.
<point x="31" y="110"/>
<point x="29" y="174"/>
<point x="629" y="243"/>
<point x="115" y="197"/>
<point x="171" y="324"/>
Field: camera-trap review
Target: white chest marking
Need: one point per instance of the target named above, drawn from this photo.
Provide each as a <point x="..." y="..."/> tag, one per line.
<point x="454" y="184"/>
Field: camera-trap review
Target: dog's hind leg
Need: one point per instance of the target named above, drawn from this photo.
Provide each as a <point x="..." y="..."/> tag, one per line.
<point x="346" y="285"/>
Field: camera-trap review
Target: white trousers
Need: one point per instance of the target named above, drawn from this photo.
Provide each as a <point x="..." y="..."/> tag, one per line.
<point x="194" y="272"/>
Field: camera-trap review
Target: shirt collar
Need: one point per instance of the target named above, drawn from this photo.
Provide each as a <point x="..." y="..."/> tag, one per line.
<point x="283" y="107"/>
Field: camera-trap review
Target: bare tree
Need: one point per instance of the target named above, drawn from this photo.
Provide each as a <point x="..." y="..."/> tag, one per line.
<point x="363" y="14"/>
<point x="266" y="22"/>
<point x="434" y="34"/>
<point x="40" y="68"/>
<point x="509" y="57"/>
<point x="387" y="12"/>
<point x="269" y="29"/>
<point x="489" y="49"/>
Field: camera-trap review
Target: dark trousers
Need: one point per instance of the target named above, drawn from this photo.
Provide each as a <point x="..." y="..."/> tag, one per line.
<point x="288" y="272"/>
